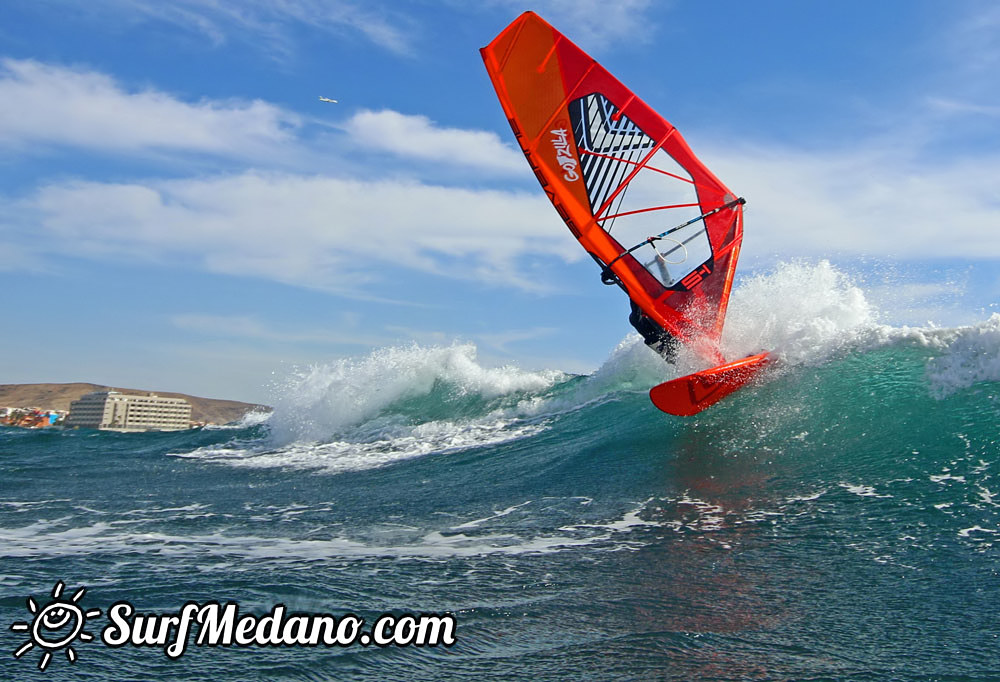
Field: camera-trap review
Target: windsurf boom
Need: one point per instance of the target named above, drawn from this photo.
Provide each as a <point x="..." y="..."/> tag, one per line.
<point x="620" y="176"/>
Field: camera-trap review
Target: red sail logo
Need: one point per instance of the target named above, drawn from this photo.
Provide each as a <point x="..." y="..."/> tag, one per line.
<point x="564" y="154"/>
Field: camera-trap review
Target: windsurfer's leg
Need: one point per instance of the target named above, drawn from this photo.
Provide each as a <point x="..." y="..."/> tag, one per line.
<point x="636" y="317"/>
<point x="666" y="346"/>
<point x="653" y="334"/>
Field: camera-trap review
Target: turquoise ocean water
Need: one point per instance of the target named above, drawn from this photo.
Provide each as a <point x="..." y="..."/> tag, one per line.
<point x="839" y="521"/>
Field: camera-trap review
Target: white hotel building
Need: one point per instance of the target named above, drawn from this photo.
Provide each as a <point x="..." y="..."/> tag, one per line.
<point x="111" y="410"/>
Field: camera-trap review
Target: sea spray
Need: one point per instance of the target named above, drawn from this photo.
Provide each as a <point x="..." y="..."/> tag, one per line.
<point x="393" y="404"/>
<point x="326" y="400"/>
<point x="802" y="311"/>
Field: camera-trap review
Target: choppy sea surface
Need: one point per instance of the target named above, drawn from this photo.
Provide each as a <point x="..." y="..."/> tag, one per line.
<point x="840" y="520"/>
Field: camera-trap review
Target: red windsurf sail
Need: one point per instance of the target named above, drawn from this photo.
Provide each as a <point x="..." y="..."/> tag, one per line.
<point x="661" y="225"/>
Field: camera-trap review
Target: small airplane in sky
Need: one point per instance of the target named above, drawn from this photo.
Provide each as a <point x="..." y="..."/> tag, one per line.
<point x="327" y="99"/>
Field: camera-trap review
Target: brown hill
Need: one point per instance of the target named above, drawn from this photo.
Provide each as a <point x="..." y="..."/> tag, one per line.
<point x="59" y="396"/>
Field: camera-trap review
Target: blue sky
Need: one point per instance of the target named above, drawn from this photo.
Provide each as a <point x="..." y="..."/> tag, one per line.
<point x="180" y="212"/>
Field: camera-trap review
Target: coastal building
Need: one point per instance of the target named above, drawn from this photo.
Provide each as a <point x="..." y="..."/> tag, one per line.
<point x="111" y="410"/>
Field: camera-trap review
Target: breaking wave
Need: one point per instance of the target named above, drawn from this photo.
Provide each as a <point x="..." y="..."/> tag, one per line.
<point x="398" y="403"/>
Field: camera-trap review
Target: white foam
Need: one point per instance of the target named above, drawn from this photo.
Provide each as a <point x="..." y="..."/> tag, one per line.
<point x="338" y="456"/>
<point x="965" y="532"/>
<point x="250" y="419"/>
<point x="24" y="506"/>
<point x="478" y="522"/>
<point x="861" y="490"/>
<point x="971" y="355"/>
<point x="943" y="478"/>
<point x="43" y="539"/>
<point x="807" y="312"/>
<point x="805" y="498"/>
<point x="987" y="497"/>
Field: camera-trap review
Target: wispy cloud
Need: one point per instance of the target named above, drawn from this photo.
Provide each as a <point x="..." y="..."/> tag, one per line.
<point x="965" y="61"/>
<point x="594" y="23"/>
<point x="264" y="23"/>
<point x="420" y="138"/>
<point x="252" y="328"/>
<point x="947" y="105"/>
<point x="498" y="341"/>
<point x="54" y="105"/>
<point x="502" y="340"/>
<point x="973" y="40"/>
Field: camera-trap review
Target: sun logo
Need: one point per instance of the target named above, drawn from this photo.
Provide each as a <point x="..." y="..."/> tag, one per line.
<point x="55" y="626"/>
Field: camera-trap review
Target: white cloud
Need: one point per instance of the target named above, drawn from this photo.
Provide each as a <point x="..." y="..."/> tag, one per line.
<point x="341" y="235"/>
<point x="418" y="137"/>
<point x="924" y="188"/>
<point x="53" y="105"/>
<point x="875" y="201"/>
<point x="321" y="232"/>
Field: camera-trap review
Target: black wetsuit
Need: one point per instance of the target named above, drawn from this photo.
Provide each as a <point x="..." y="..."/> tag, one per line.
<point x="656" y="337"/>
